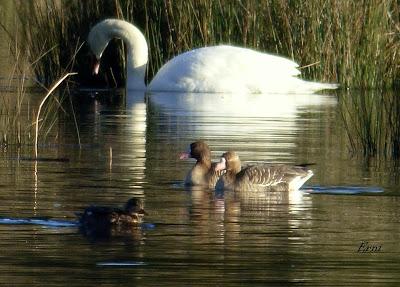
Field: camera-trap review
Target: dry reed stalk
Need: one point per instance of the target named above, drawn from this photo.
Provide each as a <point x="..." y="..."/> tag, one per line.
<point x="41" y="105"/>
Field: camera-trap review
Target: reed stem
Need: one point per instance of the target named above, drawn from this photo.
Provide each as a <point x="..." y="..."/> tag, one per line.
<point x="41" y="105"/>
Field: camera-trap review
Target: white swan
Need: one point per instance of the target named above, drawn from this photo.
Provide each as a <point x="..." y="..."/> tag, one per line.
<point x="217" y="69"/>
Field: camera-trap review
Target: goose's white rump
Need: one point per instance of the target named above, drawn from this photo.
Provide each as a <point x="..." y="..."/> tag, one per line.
<point x="216" y="69"/>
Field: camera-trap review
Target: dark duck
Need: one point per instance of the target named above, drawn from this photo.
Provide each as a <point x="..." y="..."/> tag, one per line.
<point x="108" y="221"/>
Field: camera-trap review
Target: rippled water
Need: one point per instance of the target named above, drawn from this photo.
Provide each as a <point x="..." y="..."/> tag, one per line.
<point x="200" y="237"/>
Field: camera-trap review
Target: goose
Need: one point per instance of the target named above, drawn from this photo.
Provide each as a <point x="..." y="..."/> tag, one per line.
<point x="265" y="177"/>
<point x="203" y="172"/>
<point x="214" y="69"/>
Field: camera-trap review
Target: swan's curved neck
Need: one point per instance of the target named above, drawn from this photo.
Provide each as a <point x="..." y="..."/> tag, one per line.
<point x="137" y="51"/>
<point x="136" y="58"/>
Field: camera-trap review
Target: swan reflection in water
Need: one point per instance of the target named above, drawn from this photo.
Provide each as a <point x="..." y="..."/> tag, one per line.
<point x="269" y="118"/>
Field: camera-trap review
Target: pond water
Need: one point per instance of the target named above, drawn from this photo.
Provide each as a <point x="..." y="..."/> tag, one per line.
<point x="193" y="237"/>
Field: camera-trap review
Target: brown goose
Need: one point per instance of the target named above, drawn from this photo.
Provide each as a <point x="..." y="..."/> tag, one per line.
<point x="264" y="177"/>
<point x="203" y="173"/>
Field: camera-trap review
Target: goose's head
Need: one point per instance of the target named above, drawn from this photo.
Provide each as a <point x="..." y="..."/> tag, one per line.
<point x="198" y="150"/>
<point x="230" y="162"/>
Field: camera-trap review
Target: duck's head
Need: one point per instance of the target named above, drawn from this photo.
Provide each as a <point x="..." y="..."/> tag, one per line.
<point x="230" y="162"/>
<point x="198" y="150"/>
<point x="135" y="205"/>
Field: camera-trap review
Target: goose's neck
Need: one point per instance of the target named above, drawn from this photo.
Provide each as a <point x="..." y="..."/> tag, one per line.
<point x="229" y="179"/>
<point x="204" y="162"/>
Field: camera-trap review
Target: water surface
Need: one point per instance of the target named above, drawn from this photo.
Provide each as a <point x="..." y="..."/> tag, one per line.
<point x="200" y="237"/>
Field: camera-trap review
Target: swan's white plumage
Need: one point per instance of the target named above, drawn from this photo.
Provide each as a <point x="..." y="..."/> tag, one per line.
<point x="217" y="69"/>
<point x="225" y="69"/>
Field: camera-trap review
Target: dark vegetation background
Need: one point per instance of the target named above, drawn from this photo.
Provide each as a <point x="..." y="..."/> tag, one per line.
<point x="354" y="43"/>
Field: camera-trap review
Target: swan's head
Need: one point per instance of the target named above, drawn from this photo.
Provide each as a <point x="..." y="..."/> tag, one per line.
<point x="98" y="40"/>
<point x="134" y="40"/>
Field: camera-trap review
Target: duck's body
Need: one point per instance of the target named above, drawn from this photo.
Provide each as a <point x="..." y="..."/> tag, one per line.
<point x="103" y="217"/>
<point x="257" y="178"/>
<point x="203" y="173"/>
<point x="216" y="69"/>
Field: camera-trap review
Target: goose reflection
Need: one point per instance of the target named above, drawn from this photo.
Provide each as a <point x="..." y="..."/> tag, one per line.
<point x="225" y="217"/>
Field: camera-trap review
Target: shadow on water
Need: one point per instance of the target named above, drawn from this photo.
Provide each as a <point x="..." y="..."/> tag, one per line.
<point x="46" y="222"/>
<point x="344" y="190"/>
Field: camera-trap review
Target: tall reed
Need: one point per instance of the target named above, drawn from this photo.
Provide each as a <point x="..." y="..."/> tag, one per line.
<point x="13" y="107"/>
<point x="18" y="110"/>
<point x="372" y="122"/>
<point x="54" y="33"/>
<point x="353" y="43"/>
